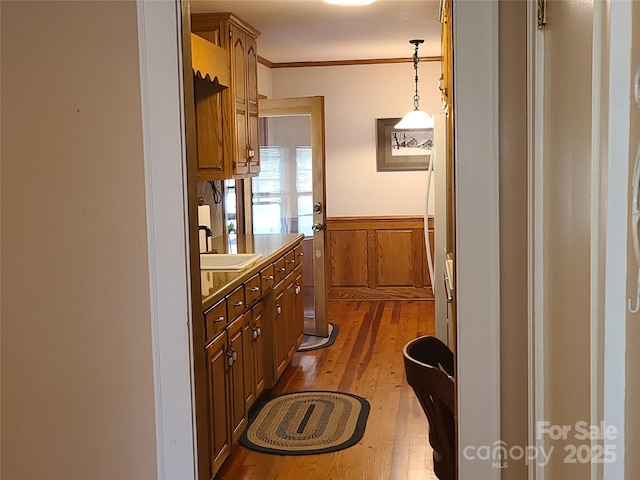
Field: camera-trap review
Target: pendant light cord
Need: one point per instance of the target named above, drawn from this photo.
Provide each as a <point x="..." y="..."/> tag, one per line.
<point x="416" y="59"/>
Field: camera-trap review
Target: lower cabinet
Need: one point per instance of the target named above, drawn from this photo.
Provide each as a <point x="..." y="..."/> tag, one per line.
<point x="238" y="363"/>
<point x="280" y="332"/>
<point x="248" y="354"/>
<point x="254" y="378"/>
<point x="257" y="350"/>
<point x="219" y="406"/>
<point x="287" y="321"/>
<point x="235" y="370"/>
<point x="297" y="322"/>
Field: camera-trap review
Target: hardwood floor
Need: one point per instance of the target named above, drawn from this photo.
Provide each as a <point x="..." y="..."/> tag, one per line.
<point x="366" y="360"/>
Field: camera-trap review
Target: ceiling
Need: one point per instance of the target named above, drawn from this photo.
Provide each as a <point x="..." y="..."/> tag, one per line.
<point x="311" y="30"/>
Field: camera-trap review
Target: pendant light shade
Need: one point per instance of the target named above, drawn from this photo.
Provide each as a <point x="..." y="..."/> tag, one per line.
<point x="416" y="119"/>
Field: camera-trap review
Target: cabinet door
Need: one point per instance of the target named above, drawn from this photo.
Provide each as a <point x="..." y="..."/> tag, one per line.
<point x="252" y="106"/>
<point x="219" y="428"/>
<point x="297" y="326"/>
<point x="238" y="361"/>
<point x="248" y="367"/>
<point x="257" y="351"/>
<point x="239" y="79"/>
<point x="209" y="127"/>
<point x="280" y="331"/>
<point x="289" y="320"/>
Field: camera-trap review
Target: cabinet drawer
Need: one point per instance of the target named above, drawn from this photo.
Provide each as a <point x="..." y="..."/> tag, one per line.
<point x="290" y="261"/>
<point x="215" y="319"/>
<point x="268" y="278"/>
<point x="280" y="269"/>
<point x="252" y="290"/>
<point x="298" y="254"/>
<point x="235" y="302"/>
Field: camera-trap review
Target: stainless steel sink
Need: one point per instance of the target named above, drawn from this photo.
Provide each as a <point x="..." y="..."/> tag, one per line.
<point x="227" y="261"/>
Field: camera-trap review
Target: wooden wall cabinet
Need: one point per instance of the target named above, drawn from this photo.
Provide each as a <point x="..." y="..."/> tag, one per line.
<point x="227" y="121"/>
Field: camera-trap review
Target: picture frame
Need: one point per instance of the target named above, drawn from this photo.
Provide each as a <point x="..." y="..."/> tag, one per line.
<point x="402" y="150"/>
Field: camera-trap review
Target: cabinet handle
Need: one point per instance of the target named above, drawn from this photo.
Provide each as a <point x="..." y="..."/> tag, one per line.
<point x="238" y="304"/>
<point x="234" y="354"/>
<point x="250" y="152"/>
<point x="283" y="269"/>
<point x="301" y="254"/>
<point x="230" y="359"/>
<point x="256" y="331"/>
<point x="254" y="289"/>
<point x="297" y="289"/>
<point x="270" y="277"/>
<point x="292" y="261"/>
<point x="278" y="309"/>
<point x="219" y="319"/>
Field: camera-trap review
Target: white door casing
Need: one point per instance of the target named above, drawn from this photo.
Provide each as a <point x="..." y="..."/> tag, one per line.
<point x="165" y="178"/>
<point x="477" y="230"/>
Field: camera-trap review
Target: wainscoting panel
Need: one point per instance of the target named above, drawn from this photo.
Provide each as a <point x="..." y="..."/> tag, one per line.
<point x="378" y="258"/>
<point x="349" y="266"/>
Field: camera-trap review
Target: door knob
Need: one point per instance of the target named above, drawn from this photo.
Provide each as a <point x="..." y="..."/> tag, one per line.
<point x="316" y="227"/>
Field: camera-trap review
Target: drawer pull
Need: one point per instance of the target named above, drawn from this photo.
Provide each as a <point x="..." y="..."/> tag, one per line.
<point x="254" y="289"/>
<point x="270" y="277"/>
<point x="301" y="254"/>
<point x="219" y="319"/>
<point x="283" y="269"/>
<point x="293" y="260"/>
<point x="239" y="303"/>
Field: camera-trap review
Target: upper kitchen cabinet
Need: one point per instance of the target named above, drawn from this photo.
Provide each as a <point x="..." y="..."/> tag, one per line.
<point x="227" y="120"/>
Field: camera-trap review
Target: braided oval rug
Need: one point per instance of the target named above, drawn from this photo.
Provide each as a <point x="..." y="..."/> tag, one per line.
<point x="309" y="422"/>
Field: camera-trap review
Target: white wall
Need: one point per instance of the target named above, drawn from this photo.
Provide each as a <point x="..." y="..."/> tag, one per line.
<point x="77" y="378"/>
<point x="355" y="96"/>
<point x="265" y="81"/>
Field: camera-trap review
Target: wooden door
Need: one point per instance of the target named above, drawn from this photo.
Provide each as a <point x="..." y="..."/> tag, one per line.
<point x="236" y="355"/>
<point x="314" y="108"/>
<point x="248" y="368"/>
<point x="219" y="428"/>
<point x="257" y="349"/>
<point x="280" y="331"/>
<point x="297" y="327"/>
<point x="239" y="75"/>
<point x="289" y="309"/>
<point x="253" y="143"/>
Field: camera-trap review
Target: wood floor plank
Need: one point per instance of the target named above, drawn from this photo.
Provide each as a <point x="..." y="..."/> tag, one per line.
<point x="366" y="359"/>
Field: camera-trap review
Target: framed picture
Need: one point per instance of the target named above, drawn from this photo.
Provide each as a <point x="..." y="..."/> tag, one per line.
<point x="399" y="150"/>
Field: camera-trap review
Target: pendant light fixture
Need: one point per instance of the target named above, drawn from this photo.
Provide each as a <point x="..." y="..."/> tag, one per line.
<point x="350" y="2"/>
<point x="416" y="119"/>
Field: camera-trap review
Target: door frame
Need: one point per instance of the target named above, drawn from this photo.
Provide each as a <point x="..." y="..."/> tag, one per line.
<point x="175" y="411"/>
<point x="163" y="120"/>
<point x="477" y="234"/>
<point x="314" y="107"/>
